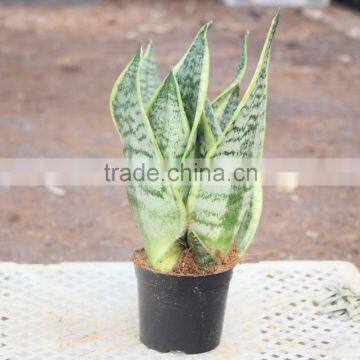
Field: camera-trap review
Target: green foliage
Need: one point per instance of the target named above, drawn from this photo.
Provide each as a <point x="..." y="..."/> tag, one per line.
<point x="150" y="79"/>
<point x="169" y="124"/>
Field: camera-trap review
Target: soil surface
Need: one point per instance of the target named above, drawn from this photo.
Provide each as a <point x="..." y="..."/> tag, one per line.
<point x="58" y="65"/>
<point x="186" y="265"/>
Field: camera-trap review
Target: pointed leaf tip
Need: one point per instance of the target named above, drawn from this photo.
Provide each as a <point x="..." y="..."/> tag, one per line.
<point x="243" y="59"/>
<point x="138" y="51"/>
<point x="272" y="29"/>
<point x="149" y="46"/>
<point x="246" y="37"/>
<point x="170" y="77"/>
<point x="206" y="26"/>
<point x="276" y="18"/>
<point x="149" y="79"/>
<point x="209" y="24"/>
<point x="192" y="74"/>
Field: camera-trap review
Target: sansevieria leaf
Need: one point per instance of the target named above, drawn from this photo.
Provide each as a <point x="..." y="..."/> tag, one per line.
<point x="170" y="126"/>
<point x="209" y="130"/>
<point x="168" y="119"/>
<point x="250" y="219"/>
<point x="149" y="76"/>
<point x="159" y="213"/>
<point x="216" y="115"/>
<point x="192" y="75"/>
<point x="226" y="103"/>
<point x="218" y="211"/>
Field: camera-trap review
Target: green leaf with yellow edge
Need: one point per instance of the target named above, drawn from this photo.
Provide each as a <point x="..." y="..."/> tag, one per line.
<point x="158" y="211"/>
<point x="168" y="119"/>
<point x="192" y="75"/>
<point x="250" y="219"/>
<point x="216" y="115"/>
<point x="209" y="130"/>
<point x="149" y="76"/>
<point x="226" y="103"/>
<point x="217" y="211"/>
<point x="170" y="126"/>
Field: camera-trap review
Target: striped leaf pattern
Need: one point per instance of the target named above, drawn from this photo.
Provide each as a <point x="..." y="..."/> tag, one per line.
<point x="167" y="124"/>
<point x="209" y="130"/>
<point x="168" y="120"/>
<point x="170" y="126"/>
<point x="218" y="212"/>
<point x="161" y="216"/>
<point x="250" y="219"/>
<point x="226" y="103"/>
<point x="192" y="75"/>
<point x="216" y="115"/>
<point x="149" y="77"/>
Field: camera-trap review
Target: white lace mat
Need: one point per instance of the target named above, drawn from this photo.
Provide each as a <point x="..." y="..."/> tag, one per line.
<point x="89" y="311"/>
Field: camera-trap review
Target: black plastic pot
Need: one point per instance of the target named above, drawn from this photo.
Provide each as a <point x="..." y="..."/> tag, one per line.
<point x="181" y="313"/>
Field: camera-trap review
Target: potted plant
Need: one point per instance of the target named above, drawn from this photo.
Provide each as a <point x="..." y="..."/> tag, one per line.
<point x="194" y="231"/>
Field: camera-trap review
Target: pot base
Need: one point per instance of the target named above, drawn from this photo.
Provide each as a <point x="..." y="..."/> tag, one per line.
<point x="185" y="350"/>
<point x="181" y="313"/>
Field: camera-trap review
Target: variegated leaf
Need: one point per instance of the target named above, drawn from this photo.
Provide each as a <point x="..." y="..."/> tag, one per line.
<point x="168" y="120"/>
<point x="217" y="211"/>
<point x="170" y="126"/>
<point x="192" y="74"/>
<point x="209" y="130"/>
<point x="251" y="218"/>
<point x="153" y="204"/>
<point x="149" y="76"/>
<point x="226" y="103"/>
<point x="230" y="105"/>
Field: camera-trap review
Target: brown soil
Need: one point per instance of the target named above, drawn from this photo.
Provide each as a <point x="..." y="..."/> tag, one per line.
<point x="186" y="265"/>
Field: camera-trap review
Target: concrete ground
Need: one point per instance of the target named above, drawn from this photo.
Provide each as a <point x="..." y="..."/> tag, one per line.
<point x="58" y="65"/>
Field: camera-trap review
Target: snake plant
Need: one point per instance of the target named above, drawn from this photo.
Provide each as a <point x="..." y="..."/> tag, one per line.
<point x="172" y="122"/>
